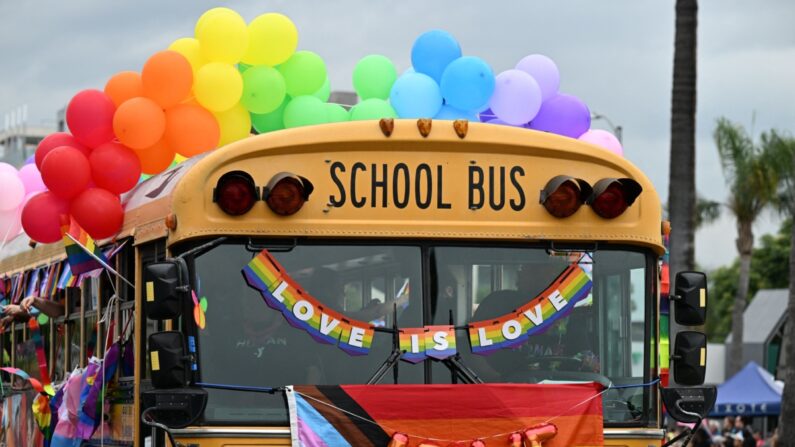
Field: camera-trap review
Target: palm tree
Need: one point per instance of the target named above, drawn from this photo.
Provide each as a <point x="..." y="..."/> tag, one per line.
<point x="682" y="177"/>
<point x="785" y="162"/>
<point x="752" y="179"/>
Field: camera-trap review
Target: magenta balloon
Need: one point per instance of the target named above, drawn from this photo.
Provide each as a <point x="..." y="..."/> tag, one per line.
<point x="12" y="191"/>
<point x="544" y="71"/>
<point x="603" y="139"/>
<point x="31" y="178"/>
<point x="89" y="116"/>
<point x="517" y="97"/>
<point x="564" y="115"/>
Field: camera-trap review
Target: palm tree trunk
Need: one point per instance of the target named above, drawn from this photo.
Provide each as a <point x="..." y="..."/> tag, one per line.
<point x="682" y="178"/>
<point x="787" y="428"/>
<point x="745" y="244"/>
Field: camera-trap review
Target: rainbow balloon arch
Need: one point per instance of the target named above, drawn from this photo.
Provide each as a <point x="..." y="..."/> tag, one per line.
<point x="212" y="89"/>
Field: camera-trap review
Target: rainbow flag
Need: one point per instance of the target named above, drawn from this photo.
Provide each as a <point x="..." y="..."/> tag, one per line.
<point x="556" y="301"/>
<point x="78" y="248"/>
<point x="446" y="414"/>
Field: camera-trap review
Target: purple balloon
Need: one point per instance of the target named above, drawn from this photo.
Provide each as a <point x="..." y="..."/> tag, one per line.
<point x="517" y="97"/>
<point x="564" y="115"/>
<point x="544" y="71"/>
<point x="31" y="159"/>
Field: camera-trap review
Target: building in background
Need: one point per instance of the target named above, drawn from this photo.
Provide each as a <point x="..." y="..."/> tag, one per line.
<point x="763" y="337"/>
<point x="343" y="98"/>
<point x="19" y="139"/>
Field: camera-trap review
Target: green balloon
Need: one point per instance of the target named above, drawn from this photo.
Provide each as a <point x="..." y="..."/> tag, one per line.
<point x="336" y="113"/>
<point x="305" y="111"/>
<point x="373" y="77"/>
<point x="269" y="122"/>
<point x="263" y="89"/>
<point x="324" y="92"/>
<point x="241" y="67"/>
<point x="304" y="73"/>
<point x="372" y="109"/>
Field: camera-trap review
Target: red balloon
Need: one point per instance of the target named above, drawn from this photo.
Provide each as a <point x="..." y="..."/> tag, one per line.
<point x="66" y="172"/>
<point x="41" y="217"/>
<point x="114" y="167"/>
<point x="54" y="140"/>
<point x="89" y="116"/>
<point x="99" y="212"/>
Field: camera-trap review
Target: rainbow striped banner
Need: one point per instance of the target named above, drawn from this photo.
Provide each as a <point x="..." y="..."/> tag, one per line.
<point x="412" y="344"/>
<point x="302" y="310"/>
<point x="556" y="301"/>
<point x="440" y="342"/>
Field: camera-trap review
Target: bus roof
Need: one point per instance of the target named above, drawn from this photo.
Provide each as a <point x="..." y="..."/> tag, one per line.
<point x="367" y="184"/>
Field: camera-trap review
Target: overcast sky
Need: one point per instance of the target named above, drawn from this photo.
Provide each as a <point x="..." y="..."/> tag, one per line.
<point x="615" y="55"/>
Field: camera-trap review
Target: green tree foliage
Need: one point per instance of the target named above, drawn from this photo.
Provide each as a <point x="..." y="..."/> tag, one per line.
<point x="769" y="270"/>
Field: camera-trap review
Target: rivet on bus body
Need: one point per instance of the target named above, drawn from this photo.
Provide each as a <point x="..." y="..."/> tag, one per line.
<point x="171" y="222"/>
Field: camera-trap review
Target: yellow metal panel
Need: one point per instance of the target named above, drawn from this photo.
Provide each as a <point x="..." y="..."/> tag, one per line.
<point x="443" y="165"/>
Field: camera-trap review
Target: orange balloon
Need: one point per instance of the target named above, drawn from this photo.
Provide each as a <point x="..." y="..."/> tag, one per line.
<point x="139" y="123"/>
<point x="124" y="85"/>
<point x="191" y="130"/>
<point x="167" y="78"/>
<point x="155" y="159"/>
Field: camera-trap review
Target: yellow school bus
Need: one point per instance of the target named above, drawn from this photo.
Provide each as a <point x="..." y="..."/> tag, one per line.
<point x="399" y="223"/>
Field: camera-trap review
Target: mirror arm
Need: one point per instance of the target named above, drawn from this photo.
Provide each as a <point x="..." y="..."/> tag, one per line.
<point x="675" y="297"/>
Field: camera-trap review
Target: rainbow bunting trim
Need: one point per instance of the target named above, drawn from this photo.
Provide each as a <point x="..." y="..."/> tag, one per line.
<point x="302" y="310"/>
<point x="412" y="344"/>
<point x="556" y="301"/>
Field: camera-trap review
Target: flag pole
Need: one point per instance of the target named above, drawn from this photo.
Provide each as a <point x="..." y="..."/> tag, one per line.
<point x="99" y="260"/>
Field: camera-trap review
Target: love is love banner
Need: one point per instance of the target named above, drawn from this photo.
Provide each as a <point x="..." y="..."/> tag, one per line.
<point x="325" y="325"/>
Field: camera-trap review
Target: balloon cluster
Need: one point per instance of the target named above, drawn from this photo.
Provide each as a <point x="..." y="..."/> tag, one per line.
<point x="211" y="89"/>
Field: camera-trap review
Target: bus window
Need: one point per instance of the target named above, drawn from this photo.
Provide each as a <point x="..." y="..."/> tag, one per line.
<point x="247" y="343"/>
<point x="59" y="365"/>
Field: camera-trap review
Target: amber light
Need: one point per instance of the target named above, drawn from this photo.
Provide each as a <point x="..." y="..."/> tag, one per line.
<point x="286" y="193"/>
<point x="563" y="195"/>
<point x="235" y="193"/>
<point x="611" y="196"/>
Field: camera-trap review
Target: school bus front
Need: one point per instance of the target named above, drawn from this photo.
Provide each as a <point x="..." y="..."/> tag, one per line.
<point x="402" y="230"/>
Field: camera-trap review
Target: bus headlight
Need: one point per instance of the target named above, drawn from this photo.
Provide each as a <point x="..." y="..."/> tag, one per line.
<point x="286" y="193"/>
<point x="563" y="195"/>
<point x="612" y="196"/>
<point x="235" y="193"/>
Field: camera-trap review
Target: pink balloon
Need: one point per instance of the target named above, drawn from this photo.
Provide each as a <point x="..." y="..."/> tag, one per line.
<point x="10" y="225"/>
<point x="5" y="167"/>
<point x="89" y="116"/>
<point x="31" y="178"/>
<point x="603" y="139"/>
<point x="12" y="191"/>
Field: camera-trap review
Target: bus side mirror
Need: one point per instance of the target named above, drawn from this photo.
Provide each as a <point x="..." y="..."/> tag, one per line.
<point x="690" y="358"/>
<point x="690" y="298"/>
<point x="166" y="288"/>
<point x="689" y="405"/>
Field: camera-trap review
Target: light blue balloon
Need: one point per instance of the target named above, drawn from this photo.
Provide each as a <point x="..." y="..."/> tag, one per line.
<point x="467" y="83"/>
<point x="451" y="113"/>
<point x="433" y="51"/>
<point x="415" y="95"/>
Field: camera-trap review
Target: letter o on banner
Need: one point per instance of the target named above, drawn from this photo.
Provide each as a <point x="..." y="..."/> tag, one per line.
<point x="511" y="330"/>
<point x="303" y="310"/>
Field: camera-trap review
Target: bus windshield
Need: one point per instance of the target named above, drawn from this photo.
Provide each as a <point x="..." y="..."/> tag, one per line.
<point x="602" y="337"/>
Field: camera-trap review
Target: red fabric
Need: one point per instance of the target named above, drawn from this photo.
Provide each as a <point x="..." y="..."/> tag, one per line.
<point x="484" y="411"/>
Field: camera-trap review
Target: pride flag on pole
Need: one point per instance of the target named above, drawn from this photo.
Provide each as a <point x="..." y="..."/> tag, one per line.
<point x="79" y="248"/>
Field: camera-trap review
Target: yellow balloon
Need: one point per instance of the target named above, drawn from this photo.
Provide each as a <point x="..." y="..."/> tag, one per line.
<point x="190" y="48"/>
<point x="272" y="39"/>
<point x="235" y="124"/>
<point x="223" y="37"/>
<point x="218" y="87"/>
<point x="179" y="159"/>
<point x="210" y="13"/>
